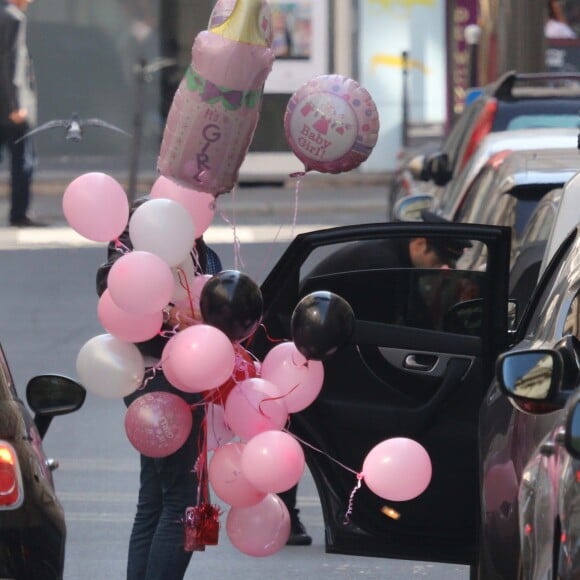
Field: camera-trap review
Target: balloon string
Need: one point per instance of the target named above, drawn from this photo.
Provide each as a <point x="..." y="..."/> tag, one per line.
<point x="150" y="374"/>
<point x="184" y="283"/>
<point x="349" y="510"/>
<point x="305" y="443"/>
<point x="120" y="246"/>
<point x="267" y="259"/>
<point x="237" y="243"/>
<point x="296" y="196"/>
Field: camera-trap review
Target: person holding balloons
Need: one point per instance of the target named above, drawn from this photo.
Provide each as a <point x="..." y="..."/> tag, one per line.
<point x="168" y="484"/>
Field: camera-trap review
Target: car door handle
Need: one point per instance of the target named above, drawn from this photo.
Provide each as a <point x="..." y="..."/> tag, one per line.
<point x="420" y="362"/>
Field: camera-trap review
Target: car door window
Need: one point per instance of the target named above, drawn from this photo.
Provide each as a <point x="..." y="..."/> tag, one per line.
<point x="426" y="298"/>
<point x="572" y="321"/>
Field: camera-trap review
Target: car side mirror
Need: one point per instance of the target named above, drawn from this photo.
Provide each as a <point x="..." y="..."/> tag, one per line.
<point x="408" y="209"/>
<point x="438" y="169"/>
<point x="572" y="437"/>
<point x="531" y="375"/>
<point x="52" y="395"/>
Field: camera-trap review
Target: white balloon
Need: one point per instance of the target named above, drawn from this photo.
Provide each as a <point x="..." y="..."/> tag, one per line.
<point x="110" y="367"/>
<point x="163" y="227"/>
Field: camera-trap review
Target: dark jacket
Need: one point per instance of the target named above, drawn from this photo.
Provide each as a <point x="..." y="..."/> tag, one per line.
<point x="17" y="85"/>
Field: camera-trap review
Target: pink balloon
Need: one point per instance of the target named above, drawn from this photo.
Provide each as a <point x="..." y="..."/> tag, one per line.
<point x="259" y="530"/>
<point x="202" y="358"/>
<point x="331" y="124"/>
<point x="273" y="461"/>
<point x="254" y="405"/>
<point x="200" y="205"/>
<point x="125" y="325"/>
<point x="167" y="369"/>
<point x="228" y="480"/>
<point x="96" y="206"/>
<point x="158" y="424"/>
<point x="216" y="107"/>
<point x="218" y="431"/>
<point x="397" y="469"/>
<point x="140" y="283"/>
<point x="298" y="379"/>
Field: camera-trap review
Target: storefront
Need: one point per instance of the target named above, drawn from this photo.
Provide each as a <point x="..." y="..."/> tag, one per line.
<point x="89" y="57"/>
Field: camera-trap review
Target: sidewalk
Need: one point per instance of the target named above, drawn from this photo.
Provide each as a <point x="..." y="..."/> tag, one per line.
<point x="316" y="193"/>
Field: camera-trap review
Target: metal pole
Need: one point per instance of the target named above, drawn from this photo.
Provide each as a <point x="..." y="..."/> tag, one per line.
<point x="137" y="128"/>
<point x="405" y="123"/>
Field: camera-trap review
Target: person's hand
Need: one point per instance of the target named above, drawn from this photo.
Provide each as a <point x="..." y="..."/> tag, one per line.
<point x="19" y="116"/>
<point x="180" y="316"/>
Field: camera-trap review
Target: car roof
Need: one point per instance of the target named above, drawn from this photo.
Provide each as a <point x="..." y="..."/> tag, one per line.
<point x="567" y="218"/>
<point x="493" y="143"/>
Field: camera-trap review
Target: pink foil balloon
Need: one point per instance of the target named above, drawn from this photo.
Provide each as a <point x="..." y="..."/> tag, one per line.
<point x="273" y="461"/>
<point x="331" y="124"/>
<point x="200" y="205"/>
<point x="140" y="283"/>
<point x="96" y="206"/>
<point x="298" y="379"/>
<point x="158" y="424"/>
<point x="228" y="480"/>
<point x="216" y="107"/>
<point x="397" y="469"/>
<point x="125" y="325"/>
<point x="201" y="358"/>
<point x="254" y="405"/>
<point x="259" y="530"/>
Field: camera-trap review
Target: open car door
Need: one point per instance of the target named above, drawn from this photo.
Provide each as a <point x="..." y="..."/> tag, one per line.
<point x="418" y="366"/>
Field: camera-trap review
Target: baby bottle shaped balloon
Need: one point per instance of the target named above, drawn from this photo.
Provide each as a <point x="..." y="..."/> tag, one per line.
<point x="216" y="108"/>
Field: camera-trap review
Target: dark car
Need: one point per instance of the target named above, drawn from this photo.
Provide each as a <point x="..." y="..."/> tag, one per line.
<point x="32" y="522"/>
<point x="539" y="375"/>
<point x="514" y="101"/>
<point x="420" y="365"/>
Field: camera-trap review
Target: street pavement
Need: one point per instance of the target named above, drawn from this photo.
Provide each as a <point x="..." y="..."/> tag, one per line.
<point x="253" y="212"/>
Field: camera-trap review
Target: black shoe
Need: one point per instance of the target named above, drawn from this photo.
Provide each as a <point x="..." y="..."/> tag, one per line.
<point x="26" y="222"/>
<point x="298" y="535"/>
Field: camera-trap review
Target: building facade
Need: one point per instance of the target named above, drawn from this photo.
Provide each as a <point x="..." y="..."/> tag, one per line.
<point x="121" y="60"/>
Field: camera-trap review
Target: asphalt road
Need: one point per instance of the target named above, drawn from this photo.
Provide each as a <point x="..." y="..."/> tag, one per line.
<point x="49" y="311"/>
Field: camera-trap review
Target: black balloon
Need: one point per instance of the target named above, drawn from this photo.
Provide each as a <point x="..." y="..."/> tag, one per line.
<point x="322" y="322"/>
<point x="232" y="302"/>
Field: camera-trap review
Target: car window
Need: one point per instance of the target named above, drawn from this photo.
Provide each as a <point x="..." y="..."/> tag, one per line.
<point x="475" y="197"/>
<point x="572" y="322"/>
<point x="539" y="121"/>
<point x="403" y="295"/>
<point x="540" y="224"/>
<point x="458" y="134"/>
<point x="555" y="293"/>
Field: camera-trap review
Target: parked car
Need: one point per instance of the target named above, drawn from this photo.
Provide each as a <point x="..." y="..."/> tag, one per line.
<point x="509" y="187"/>
<point x="32" y="522"/>
<point x="513" y="101"/>
<point x="548" y="518"/>
<point x="539" y="375"/>
<point x="450" y="198"/>
<point x="421" y="364"/>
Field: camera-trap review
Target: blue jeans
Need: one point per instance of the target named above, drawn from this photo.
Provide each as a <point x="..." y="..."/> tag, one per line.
<point x="22" y="162"/>
<point x="167" y="486"/>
